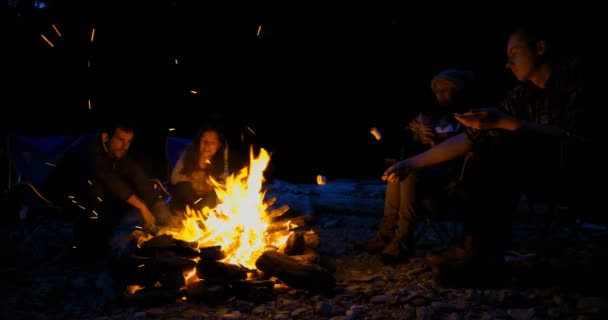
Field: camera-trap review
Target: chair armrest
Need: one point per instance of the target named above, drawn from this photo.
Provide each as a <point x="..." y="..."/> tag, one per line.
<point x="159" y="185"/>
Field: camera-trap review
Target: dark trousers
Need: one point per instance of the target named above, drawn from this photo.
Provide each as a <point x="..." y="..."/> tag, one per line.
<point x="494" y="179"/>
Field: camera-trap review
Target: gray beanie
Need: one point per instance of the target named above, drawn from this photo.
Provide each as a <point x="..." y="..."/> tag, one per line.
<point x="458" y="76"/>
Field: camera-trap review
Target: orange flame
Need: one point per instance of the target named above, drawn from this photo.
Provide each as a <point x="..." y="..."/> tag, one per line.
<point x="238" y="223"/>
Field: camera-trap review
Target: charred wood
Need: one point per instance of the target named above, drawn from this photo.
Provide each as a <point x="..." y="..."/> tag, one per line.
<point x="289" y="224"/>
<point x="295" y="274"/>
<point x="208" y="292"/>
<point x="276" y="212"/>
<point x="212" y="253"/>
<point x="295" y="244"/>
<point x="169" y="260"/>
<point x="312" y="239"/>
<point x="219" y="272"/>
<point x="307" y="258"/>
<point x="167" y="242"/>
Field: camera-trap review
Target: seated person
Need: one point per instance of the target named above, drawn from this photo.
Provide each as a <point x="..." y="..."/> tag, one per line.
<point x="452" y="89"/>
<point x="536" y="138"/>
<point x="102" y="182"/>
<point x="207" y="156"/>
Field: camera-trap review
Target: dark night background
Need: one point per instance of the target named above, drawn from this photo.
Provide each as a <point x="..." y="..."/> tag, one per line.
<point x="311" y="85"/>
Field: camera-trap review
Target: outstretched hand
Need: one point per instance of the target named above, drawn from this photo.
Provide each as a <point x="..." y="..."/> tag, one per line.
<point x="397" y="171"/>
<point x="487" y="118"/>
<point x="149" y="220"/>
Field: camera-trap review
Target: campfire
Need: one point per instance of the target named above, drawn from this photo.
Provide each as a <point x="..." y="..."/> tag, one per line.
<point x="243" y="246"/>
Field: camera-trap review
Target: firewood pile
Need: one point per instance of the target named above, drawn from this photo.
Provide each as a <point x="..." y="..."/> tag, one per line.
<point x="164" y="268"/>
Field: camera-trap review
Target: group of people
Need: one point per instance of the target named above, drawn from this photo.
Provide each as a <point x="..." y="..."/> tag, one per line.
<point x="104" y="185"/>
<point x="523" y="142"/>
<point x="534" y="139"/>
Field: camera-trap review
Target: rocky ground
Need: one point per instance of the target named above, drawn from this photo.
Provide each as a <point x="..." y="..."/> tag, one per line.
<point x="559" y="278"/>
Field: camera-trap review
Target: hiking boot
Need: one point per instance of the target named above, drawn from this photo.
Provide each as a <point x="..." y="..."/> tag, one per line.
<point x="395" y="252"/>
<point x="373" y="245"/>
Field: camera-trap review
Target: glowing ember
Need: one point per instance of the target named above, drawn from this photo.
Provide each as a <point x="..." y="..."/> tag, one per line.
<point x="132" y="289"/>
<point x="376" y="133"/>
<point x="239" y="222"/>
<point x="321" y="180"/>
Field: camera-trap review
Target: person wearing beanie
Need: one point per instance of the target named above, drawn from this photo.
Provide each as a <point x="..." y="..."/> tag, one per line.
<point x="536" y="141"/>
<point x="458" y="77"/>
<point x="394" y="240"/>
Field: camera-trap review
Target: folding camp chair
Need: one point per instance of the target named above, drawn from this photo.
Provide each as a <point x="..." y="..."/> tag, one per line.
<point x="174" y="146"/>
<point x="31" y="161"/>
<point x="436" y="221"/>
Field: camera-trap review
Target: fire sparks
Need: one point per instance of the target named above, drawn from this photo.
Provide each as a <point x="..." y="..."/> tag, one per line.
<point x="56" y="30"/>
<point x="239" y="222"/>
<point x="47" y="40"/>
<point x="376" y="133"/>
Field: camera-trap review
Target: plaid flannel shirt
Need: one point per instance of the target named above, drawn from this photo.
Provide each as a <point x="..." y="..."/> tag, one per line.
<point x="558" y="104"/>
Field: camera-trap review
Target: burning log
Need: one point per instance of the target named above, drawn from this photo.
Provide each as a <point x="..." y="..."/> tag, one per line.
<point x="295" y="244"/>
<point x="167" y="242"/>
<point x="299" y="241"/>
<point x="289" y="224"/>
<point x="212" y="253"/>
<point x="170" y="260"/>
<point x="295" y="274"/>
<point x="270" y="202"/>
<point x="220" y="272"/>
<point x="275" y="213"/>
<point x="312" y="239"/>
<point x="158" y="262"/>
<point x="309" y="257"/>
<point x="172" y="279"/>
